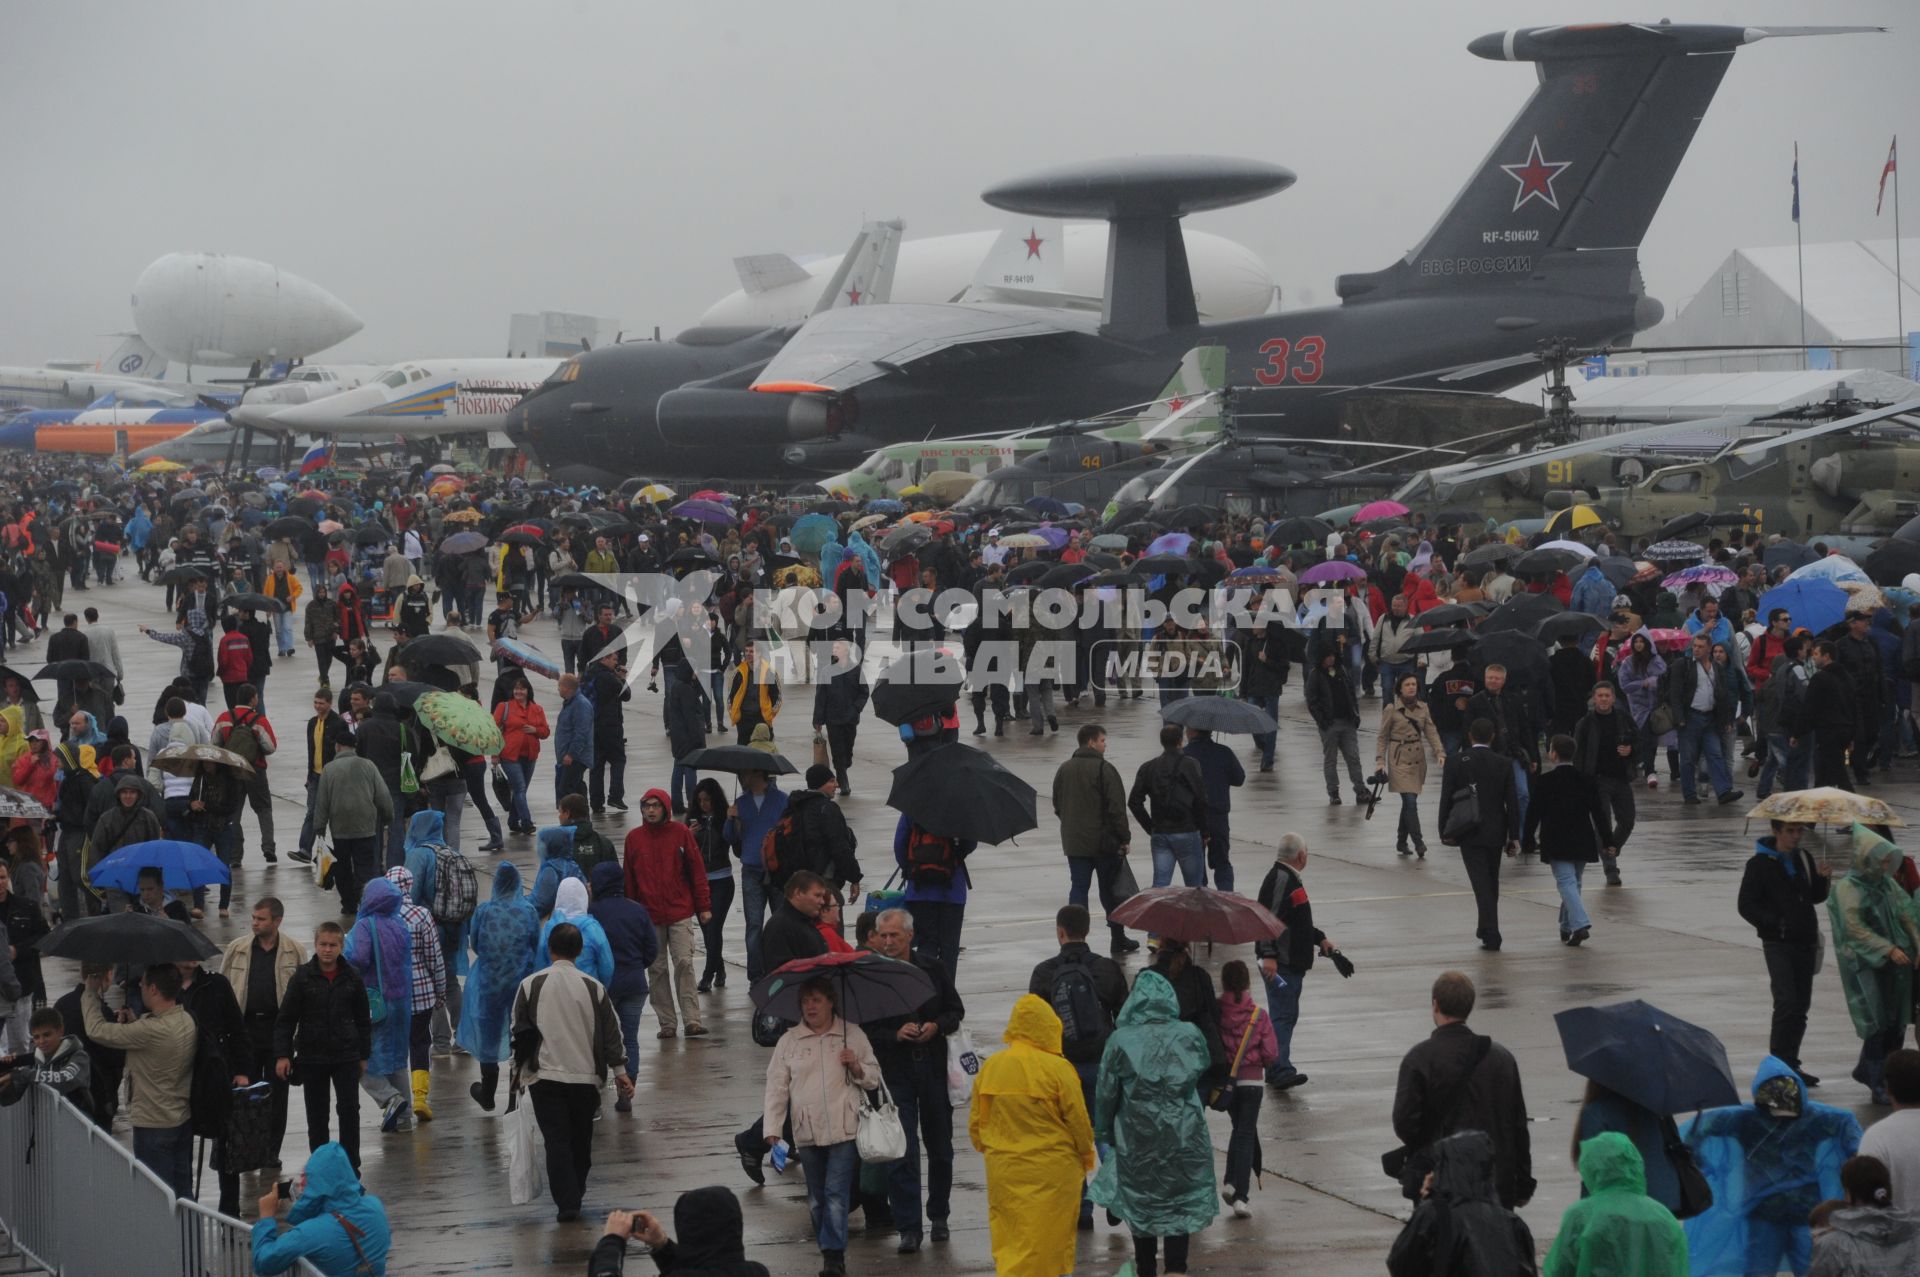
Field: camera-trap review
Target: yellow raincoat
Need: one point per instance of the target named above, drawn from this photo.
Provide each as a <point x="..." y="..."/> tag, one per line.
<point x="13" y="743"/>
<point x="1029" y="1119"/>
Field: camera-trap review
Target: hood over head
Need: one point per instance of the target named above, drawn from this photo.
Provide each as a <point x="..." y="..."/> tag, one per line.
<point x="708" y="1229"/>
<point x="1770" y="1080"/>
<point x="331" y="1182"/>
<point x="427" y="826"/>
<point x="1035" y="1023"/>
<point x="556" y="842"/>
<point x="1874" y="857"/>
<point x="506" y="881"/>
<point x="401" y="877"/>
<point x="1151" y="1002"/>
<point x="1463" y="1167"/>
<point x="571" y="898"/>
<point x="1609" y="1161"/>
<point x="381" y="899"/>
<point x="608" y="880"/>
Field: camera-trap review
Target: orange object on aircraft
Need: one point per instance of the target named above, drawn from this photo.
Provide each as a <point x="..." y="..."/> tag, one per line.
<point x="793" y="388"/>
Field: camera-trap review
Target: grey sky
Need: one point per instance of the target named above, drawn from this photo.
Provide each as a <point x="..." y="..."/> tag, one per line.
<point x="440" y="165"/>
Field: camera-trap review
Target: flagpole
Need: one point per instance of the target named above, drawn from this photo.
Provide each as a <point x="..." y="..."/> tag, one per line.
<point x="1899" y="288"/>
<point x="1799" y="262"/>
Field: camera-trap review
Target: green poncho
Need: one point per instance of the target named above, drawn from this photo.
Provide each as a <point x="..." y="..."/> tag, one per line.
<point x="1872" y="916"/>
<point x="1618" y="1228"/>
<point x="1147" y="1105"/>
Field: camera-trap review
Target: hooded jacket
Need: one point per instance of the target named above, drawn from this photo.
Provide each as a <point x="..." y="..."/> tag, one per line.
<point x="596" y="953"/>
<point x="708" y="1241"/>
<point x="664" y="869"/>
<point x="1090" y="799"/>
<point x="828" y="841"/>
<point x="1863" y="1241"/>
<point x="68" y="1072"/>
<point x="687" y="711"/>
<point x="630" y="932"/>
<point x="380" y="948"/>
<point x="502" y="932"/>
<point x="1778" y="893"/>
<point x="557" y="864"/>
<point x="333" y="1214"/>
<point x="1460" y="1229"/>
<point x="1871" y="916"/>
<point x="1616" y="1228"/>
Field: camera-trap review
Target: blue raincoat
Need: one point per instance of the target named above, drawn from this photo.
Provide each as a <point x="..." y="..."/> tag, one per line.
<point x="427" y="830"/>
<point x="503" y="932"/>
<point x="380" y="918"/>
<point x="596" y="953"/>
<point x="1767" y="1174"/>
<point x="1160" y="1179"/>
<point x="857" y="547"/>
<point x="556" y="865"/>
<point x="314" y="1234"/>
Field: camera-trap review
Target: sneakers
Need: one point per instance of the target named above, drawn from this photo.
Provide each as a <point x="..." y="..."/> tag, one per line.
<point x="1241" y="1210"/>
<point x="391" y="1114"/>
<point x="1653" y="781"/>
<point x="1732" y="796"/>
<point x="1124" y="944"/>
<point x="750" y="1163"/>
<point x="1288" y="1082"/>
<point x="300" y="856"/>
<point x="623" y="1105"/>
<point x="614" y="804"/>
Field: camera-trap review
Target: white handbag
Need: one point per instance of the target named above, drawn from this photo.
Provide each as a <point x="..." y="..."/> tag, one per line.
<point x="439" y="763"/>
<point x="879" y="1137"/>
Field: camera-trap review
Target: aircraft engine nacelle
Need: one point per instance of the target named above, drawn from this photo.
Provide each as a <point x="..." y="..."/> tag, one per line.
<point x="838" y="453"/>
<point x="1847" y="474"/>
<point x="695" y="417"/>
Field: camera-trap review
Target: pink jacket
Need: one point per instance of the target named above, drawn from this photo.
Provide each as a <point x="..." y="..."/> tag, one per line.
<point x="1262" y="1048"/>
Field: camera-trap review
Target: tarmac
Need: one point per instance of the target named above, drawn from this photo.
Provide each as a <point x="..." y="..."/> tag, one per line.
<point x="1669" y="935"/>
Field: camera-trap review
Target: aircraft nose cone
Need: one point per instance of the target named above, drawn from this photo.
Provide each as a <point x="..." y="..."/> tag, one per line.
<point x="325" y="412"/>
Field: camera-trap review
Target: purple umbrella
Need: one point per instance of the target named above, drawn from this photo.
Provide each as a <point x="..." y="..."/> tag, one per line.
<point x="1701" y="573"/>
<point x="1170" y="543"/>
<point x="705" y="511"/>
<point x="1331" y="572"/>
<point x="1056" y="538"/>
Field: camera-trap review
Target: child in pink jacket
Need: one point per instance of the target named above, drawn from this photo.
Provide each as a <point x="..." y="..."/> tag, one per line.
<point x="1247" y="1032"/>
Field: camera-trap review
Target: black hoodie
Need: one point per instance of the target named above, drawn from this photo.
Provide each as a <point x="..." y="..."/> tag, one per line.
<point x="709" y="1241"/>
<point x="687" y="711"/>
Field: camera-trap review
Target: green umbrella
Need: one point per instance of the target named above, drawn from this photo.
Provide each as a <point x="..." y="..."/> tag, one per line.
<point x="462" y="723"/>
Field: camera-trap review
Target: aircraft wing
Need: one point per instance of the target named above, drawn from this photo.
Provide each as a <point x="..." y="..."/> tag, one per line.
<point x="1758" y="446"/>
<point x="1600" y="443"/>
<point x="844" y="348"/>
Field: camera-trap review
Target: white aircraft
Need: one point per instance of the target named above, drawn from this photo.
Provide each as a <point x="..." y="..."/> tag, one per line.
<point x="130" y="374"/>
<point x="1037" y="262"/>
<point x="210" y="308"/>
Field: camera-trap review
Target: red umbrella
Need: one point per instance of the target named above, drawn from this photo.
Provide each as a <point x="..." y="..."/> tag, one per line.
<point x="526" y="528"/>
<point x="1199" y="913"/>
<point x="870" y="986"/>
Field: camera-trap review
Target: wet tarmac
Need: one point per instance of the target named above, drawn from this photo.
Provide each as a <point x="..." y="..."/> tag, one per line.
<point x="1669" y="934"/>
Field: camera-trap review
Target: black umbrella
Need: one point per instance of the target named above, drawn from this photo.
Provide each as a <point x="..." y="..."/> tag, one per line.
<point x="135" y="939"/>
<point x="574" y="519"/>
<point x="921" y="683"/>
<point x="1440" y="641"/>
<point x="437" y="649"/>
<point x="1546" y="562"/>
<point x="867" y="986"/>
<point x="522" y="540"/>
<point x="290" y="527"/>
<point x="1617" y="568"/>
<point x="26" y="684"/>
<point x="1064" y="576"/>
<point x="1031" y="570"/>
<point x="1892" y="562"/>
<point x="960" y="792"/>
<point x="1122" y="579"/>
<point x="1489" y="554"/>
<point x="253" y="603"/>
<point x="77" y="669"/>
<point x="458" y="543"/>
<point x="1571" y="625"/>
<point x="904" y="540"/>
<point x="1218" y="714"/>
<point x="1524" y="656"/>
<point x="1170" y="564"/>
<point x="182" y="573"/>
<point x="737" y="759"/>
<point x="575" y="581"/>
<point x="1660" y="1062"/>
<point x="1189" y="516"/>
<point x="692" y="556"/>
<point x="1448" y="614"/>
<point x="406" y="691"/>
<point x="1104" y="561"/>
<point x="1522" y="612"/>
<point x="1789" y="555"/>
<point x="1299" y="530"/>
<point x="371" y="534"/>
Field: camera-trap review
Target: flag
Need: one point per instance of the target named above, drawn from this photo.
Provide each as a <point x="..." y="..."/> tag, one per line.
<point x="1796" y="182"/>
<point x="1886" y="171"/>
<point x="318" y="457"/>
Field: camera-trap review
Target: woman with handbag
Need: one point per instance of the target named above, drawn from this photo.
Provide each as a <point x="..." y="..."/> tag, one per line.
<point x="1407" y="735"/>
<point x="1248" y="1031"/>
<point x="381" y="953"/>
<point x="523" y="725"/>
<point x="816" y="1079"/>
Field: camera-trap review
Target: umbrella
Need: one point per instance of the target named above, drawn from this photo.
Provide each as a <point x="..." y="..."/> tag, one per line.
<point x="737" y="759"/>
<point x="1700" y="574"/>
<point x="181" y="865"/>
<point x="181" y="573"/>
<point x="1218" y="714"/>
<point x="327" y="527"/>
<point x="526" y="656"/>
<point x="1892" y="562"/>
<point x="377" y="534"/>
<point x="962" y="793"/>
<point x="703" y="510"/>
<point x="442" y="468"/>
<point x="15" y="805"/>
<point x="1545" y="562"/>
<point x="693" y="557"/>
<point x="1489" y="554"/>
<point x="76" y="669"/>
<point x="1332" y="571"/>
<point x="1571" y="625"/>
<point x="1379" y="510"/>
<point x="405" y="692"/>
<point x="1521" y="612"/>
<point x="1259" y="575"/>
<point x="655" y="493"/>
<point x="920" y="683"/>
<point x="253" y="603"/>
<point x="290" y="527"/>
<point x="1824" y="806"/>
<point x="437" y="649"/>
<point x="1523" y="655"/>
<point x="1660" y="1062"/>
<point x="1668" y="640"/>
<point x="1063" y="576"/>
<point x="1813" y="603"/>
<point x="464" y="543"/>
<point x="906" y="540"/>
<point x="461" y="723"/>
<point x="1616" y="568"/>
<point x="1198" y="913"/>
<point x="1448" y="614"/>
<point x="1109" y="541"/>
<point x="1105" y="562"/>
<point x="574" y="581"/>
<point x="1299" y="530"/>
<point x="137" y="939"/>
<point x="522" y="540"/>
<point x="810" y="533"/>
<point x="26" y="684"/>
<point x="1574" y="518"/>
<point x="160" y="465"/>
<point x="867" y="986"/>
<point x="1675" y="552"/>
<point x="185" y="759"/>
<point x="1448" y="640"/>
<point x="1190" y="516"/>
<point x="1047" y="507"/>
<point x="1026" y="541"/>
<point x="1170" y="543"/>
<point x="1158" y="564"/>
<point x="1030" y="571"/>
<point x="465" y="516"/>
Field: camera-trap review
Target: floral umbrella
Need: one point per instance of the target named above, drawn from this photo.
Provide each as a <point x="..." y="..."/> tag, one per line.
<point x="1708" y="574"/>
<point x="462" y="723"/>
<point x="1824" y="806"/>
<point x="1668" y="640"/>
<point x="185" y="760"/>
<point x="1676" y="552"/>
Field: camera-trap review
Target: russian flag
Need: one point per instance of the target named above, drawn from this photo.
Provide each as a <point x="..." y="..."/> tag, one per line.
<point x="318" y="457"/>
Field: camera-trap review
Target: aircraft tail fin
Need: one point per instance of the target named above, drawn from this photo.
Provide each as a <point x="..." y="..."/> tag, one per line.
<point x="1028" y="258"/>
<point x="865" y="276"/>
<point x="1188" y="408"/>
<point x="1583" y="167"/>
<point x="133" y="358"/>
<point x="762" y="271"/>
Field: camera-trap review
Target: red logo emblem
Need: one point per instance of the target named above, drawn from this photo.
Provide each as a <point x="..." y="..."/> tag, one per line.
<point x="1535" y="175"/>
<point x="853" y="297"/>
<point x="1033" y="243"/>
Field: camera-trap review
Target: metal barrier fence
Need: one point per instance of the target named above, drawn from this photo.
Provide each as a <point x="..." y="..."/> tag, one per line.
<point x="76" y="1203"/>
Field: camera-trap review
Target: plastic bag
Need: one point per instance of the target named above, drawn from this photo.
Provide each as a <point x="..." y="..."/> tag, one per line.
<point x="963" y="1065"/>
<point x="526" y="1154"/>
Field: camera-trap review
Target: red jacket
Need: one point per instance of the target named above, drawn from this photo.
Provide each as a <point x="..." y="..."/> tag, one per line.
<point x="512" y="716"/>
<point x="262" y="730"/>
<point x="234" y="657"/>
<point x="1760" y="658"/>
<point x="665" y="872"/>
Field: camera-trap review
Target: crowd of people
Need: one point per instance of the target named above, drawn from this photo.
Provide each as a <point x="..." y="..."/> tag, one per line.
<point x="1098" y="1101"/>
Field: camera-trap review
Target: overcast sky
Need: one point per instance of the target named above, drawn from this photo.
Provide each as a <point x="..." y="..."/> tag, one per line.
<point x="440" y="165"/>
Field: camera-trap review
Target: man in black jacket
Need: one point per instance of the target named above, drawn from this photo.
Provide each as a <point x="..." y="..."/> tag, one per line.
<point x="686" y="713"/>
<point x="1483" y="776"/>
<point x="838" y="703"/>
<point x="1701" y="694"/>
<point x="1169" y="799"/>
<point x="324" y="1037"/>
<point x="1284" y="963"/>
<point x="1458" y="1080"/>
<point x="790" y="932"/>
<point x="1830" y="713"/>
<point x="1605" y="742"/>
<point x="1855" y="653"/>
<point x="912" y="1051"/>
<point x="605" y="685"/>
<point x="824" y="833"/>
<point x="1514" y="735"/>
<point x="1064" y="981"/>
<point x="1778" y="891"/>
<point x="378" y="739"/>
<point x="326" y="733"/>
<point x="1336" y="712"/>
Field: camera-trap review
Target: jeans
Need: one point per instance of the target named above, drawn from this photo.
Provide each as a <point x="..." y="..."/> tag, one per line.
<point x="676" y="951"/>
<point x="74" y="902"/>
<point x="936" y="931"/>
<point x="920" y="1091"/>
<point x="1283" y="1007"/>
<point x="753" y="902"/>
<point x="1243" y="1145"/>
<point x="829" y="1170"/>
<point x="565" y="1112"/>
<point x="404" y="805"/>
<point x="1409" y="827"/>
<point x="1341" y="740"/>
<point x="167" y="1151"/>
<point x="1391" y="673"/>
<point x="519" y="776"/>
<point x="1185" y="850"/>
<point x="1081" y="873"/>
<point x="1573" y="913"/>
<point x="607" y="778"/>
<point x="680" y="787"/>
<point x="713" y="932"/>
<point x="448" y="796"/>
<point x="475" y="778"/>
<point x="1790" y="976"/>
<point x="283" y="632"/>
<point x="1522" y="789"/>
<point x="344" y="1079"/>
<point x="629" y="1007"/>
<point x="1266" y="740"/>
<point x="1785" y="763"/>
<point x="1698" y="735"/>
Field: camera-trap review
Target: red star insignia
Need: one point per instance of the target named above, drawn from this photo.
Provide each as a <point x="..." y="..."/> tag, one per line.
<point x="1033" y="243"/>
<point x="853" y="297"/>
<point x="1175" y="404"/>
<point x="1535" y="176"/>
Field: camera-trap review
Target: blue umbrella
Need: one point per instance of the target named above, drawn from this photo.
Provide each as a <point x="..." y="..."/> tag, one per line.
<point x="182" y="865"/>
<point x="1051" y="507"/>
<point x="1170" y="543"/>
<point x="1658" y="1061"/>
<point x="885" y="505"/>
<point x="811" y="532"/>
<point x="1814" y="602"/>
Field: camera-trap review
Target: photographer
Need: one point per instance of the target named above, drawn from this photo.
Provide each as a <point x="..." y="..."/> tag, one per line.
<point x="709" y="1224"/>
<point x="325" y="1218"/>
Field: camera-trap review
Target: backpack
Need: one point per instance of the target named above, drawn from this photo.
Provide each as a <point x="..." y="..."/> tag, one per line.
<point x="210" y="1092"/>
<point x="456" y="890"/>
<point x="1171" y="797"/>
<point x="783" y="850"/>
<point x="76" y="781"/>
<point x="199" y="656"/>
<point x="240" y="739"/>
<point x="931" y="859"/>
<point x="1084" y="1022"/>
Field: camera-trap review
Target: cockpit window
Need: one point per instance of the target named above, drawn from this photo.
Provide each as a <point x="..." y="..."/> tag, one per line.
<point x="418" y="374"/>
<point x="1679" y="481"/>
<point x="395" y="379"/>
<point x="569" y="370"/>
